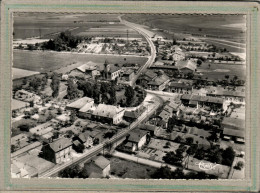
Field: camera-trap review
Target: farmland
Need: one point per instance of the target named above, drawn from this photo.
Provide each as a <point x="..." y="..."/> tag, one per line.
<point x="222" y="26"/>
<point x="48" y="61"/>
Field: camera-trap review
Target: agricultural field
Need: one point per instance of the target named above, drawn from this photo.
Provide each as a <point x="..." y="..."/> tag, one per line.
<point x="46" y="61"/>
<point x="20" y="73"/>
<point x="224" y="26"/>
<point x="218" y="71"/>
<point x="49" y="25"/>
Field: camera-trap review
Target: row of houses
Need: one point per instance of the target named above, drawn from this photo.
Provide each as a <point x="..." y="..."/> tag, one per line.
<point x="105" y="113"/>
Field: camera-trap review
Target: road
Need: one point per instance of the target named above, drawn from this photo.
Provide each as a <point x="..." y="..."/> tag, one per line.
<point x="143" y="32"/>
<point x="97" y="149"/>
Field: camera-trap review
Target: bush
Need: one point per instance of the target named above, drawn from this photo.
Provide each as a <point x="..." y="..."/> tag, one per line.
<point x="24" y="127"/>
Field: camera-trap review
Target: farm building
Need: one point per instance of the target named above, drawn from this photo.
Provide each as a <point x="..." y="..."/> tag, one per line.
<point x="227" y="95"/>
<point x="186" y="66"/>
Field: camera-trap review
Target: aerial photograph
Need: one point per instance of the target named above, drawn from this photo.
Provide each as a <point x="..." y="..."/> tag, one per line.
<point x="119" y="96"/>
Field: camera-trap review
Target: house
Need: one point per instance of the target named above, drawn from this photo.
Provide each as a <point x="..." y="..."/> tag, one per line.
<point x="149" y="128"/>
<point x="27" y="96"/>
<point x="78" y="104"/>
<point x="159" y="83"/>
<point x="146" y="77"/>
<point x="128" y="74"/>
<point x="87" y="70"/>
<point x="131" y="116"/>
<point x="84" y="138"/>
<point x="137" y="139"/>
<point x="201" y="101"/>
<point x="178" y="55"/>
<point x="58" y="151"/>
<point x="186" y="66"/>
<point x="180" y="88"/>
<point x="99" y="165"/>
<point x="233" y="129"/>
<point x="108" y="114"/>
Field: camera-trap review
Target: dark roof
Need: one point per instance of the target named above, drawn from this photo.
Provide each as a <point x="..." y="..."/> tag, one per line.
<point x="101" y="162"/>
<point x="159" y="80"/>
<point x="136" y="135"/>
<point x="131" y="114"/>
<point x="202" y="98"/>
<point x="180" y="85"/>
<point x="60" y="144"/>
<point x="84" y="136"/>
<point x="148" y="127"/>
<point x="150" y="74"/>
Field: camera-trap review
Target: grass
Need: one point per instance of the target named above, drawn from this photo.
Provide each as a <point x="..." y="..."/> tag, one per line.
<point x="127" y="169"/>
<point x="45" y="61"/>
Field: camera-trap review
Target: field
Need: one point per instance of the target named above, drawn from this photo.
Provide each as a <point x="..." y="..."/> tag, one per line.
<point x="229" y="27"/>
<point x="20" y="73"/>
<point x="127" y="169"/>
<point x="45" y="61"/>
<point x="218" y="71"/>
<point x="49" y="25"/>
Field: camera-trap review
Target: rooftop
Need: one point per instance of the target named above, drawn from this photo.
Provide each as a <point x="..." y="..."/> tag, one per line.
<point x="202" y="98"/>
<point x="136" y="135"/>
<point x="16" y="104"/>
<point x="233" y="123"/>
<point x="26" y="149"/>
<point x="186" y="64"/>
<point x="101" y="162"/>
<point x="108" y="111"/>
<point x="180" y="85"/>
<point x="80" y="102"/>
<point x="159" y="80"/>
<point x="60" y="144"/>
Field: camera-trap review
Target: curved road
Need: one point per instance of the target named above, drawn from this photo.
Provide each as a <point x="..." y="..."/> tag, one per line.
<point x="144" y="33"/>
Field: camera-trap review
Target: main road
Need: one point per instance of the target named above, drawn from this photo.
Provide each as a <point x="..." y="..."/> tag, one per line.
<point x="144" y="33"/>
<point x="97" y="149"/>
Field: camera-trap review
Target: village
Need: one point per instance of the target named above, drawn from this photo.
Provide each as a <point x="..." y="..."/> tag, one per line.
<point x="161" y="119"/>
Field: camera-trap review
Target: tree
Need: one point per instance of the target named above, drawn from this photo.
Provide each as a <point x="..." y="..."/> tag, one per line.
<point x="162" y="173"/>
<point x="228" y="156"/>
<point x="72" y="90"/>
<point x="24" y="127"/>
<point x="73" y="172"/>
<point x="129" y="94"/>
<point x="239" y="165"/>
<point x="73" y="117"/>
<point x="199" y="62"/>
<point x="178" y="173"/>
<point x="55" y="85"/>
<point x="178" y="139"/>
<point x="171" y="123"/>
<point x="13" y="148"/>
<point x="189" y="140"/>
<point x="87" y="88"/>
<point x="173" y="158"/>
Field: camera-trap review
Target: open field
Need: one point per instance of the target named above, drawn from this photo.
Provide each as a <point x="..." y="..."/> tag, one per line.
<point x="127" y="169"/>
<point x="218" y="71"/>
<point x="20" y="73"/>
<point x="45" y="61"/>
<point x="213" y="25"/>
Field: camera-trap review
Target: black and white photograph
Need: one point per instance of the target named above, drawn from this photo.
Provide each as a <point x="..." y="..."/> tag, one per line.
<point x="128" y="96"/>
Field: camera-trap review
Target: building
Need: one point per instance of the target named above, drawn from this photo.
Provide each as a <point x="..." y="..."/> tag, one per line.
<point x="177" y="56"/>
<point x="26" y="96"/>
<point x="137" y="139"/>
<point x="87" y="70"/>
<point x="128" y="74"/>
<point x="110" y="72"/>
<point x="108" y="114"/>
<point x="44" y="130"/>
<point x="233" y="129"/>
<point x="180" y="88"/>
<point x="99" y="165"/>
<point x="159" y="83"/>
<point x="131" y="116"/>
<point x="85" y="139"/>
<point x="201" y="101"/>
<point x="228" y="95"/>
<point x="186" y="66"/>
<point x="146" y="77"/>
<point x="58" y="151"/>
<point x="80" y="103"/>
